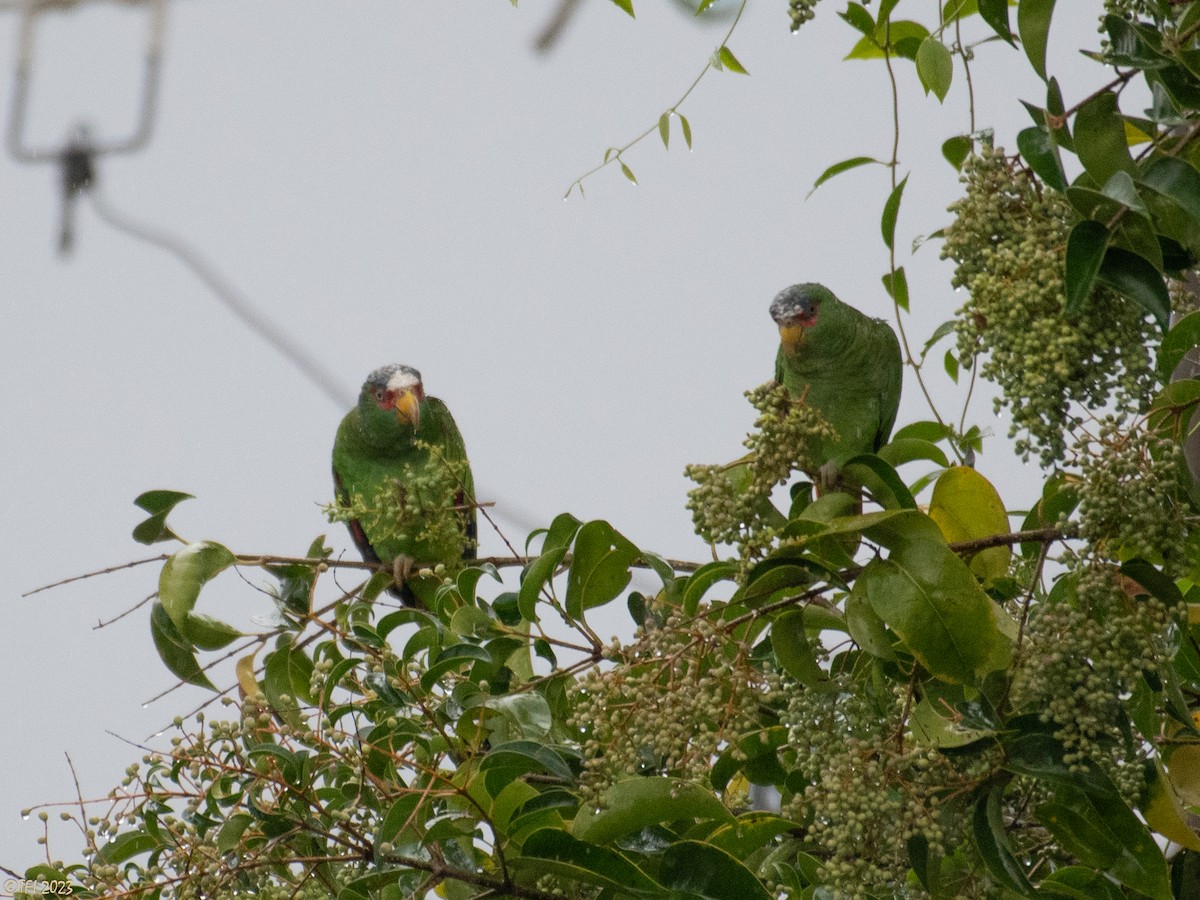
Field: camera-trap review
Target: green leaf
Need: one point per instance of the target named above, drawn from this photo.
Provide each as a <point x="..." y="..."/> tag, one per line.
<point x="1182" y="338"/>
<point x="896" y="284"/>
<point x="159" y="504"/>
<point x="699" y="582"/>
<point x="664" y="129"/>
<point x="207" y="633"/>
<point x="230" y="836"/>
<point x="794" y="650"/>
<point x="1134" y="277"/>
<point x="526" y="756"/>
<point x="1039" y="151"/>
<point x="1086" y="246"/>
<point x="957" y="149"/>
<point x="1079" y="883"/>
<point x="1176" y="180"/>
<point x="935" y="67"/>
<point x="174" y="650"/>
<point x="844" y="166"/>
<point x="535" y="577"/>
<point x="1100" y="138"/>
<point x="687" y="129"/>
<point x="697" y="869"/>
<point x="600" y="567"/>
<point x="903" y="39"/>
<point x="1033" y="24"/>
<point x="903" y="450"/>
<point x="636" y="803"/>
<point x="929" y="597"/>
<point x="1104" y="833"/>
<point x="966" y="507"/>
<point x="551" y="851"/>
<point x="186" y="572"/>
<point x="625" y="170"/>
<point x="891" y="209"/>
<point x="626" y="5"/>
<point x="857" y="16"/>
<point x="730" y="62"/>
<point x="995" y="14"/>
<point x="992" y="841"/>
<point x="124" y="847"/>
<point x="1165" y="813"/>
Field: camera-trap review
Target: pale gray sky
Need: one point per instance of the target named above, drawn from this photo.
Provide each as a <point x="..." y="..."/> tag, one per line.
<point x="385" y="179"/>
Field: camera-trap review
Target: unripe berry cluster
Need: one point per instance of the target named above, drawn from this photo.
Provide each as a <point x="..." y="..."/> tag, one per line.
<point x="678" y="694"/>
<point x="801" y="11"/>
<point x="1131" y="501"/>
<point x="727" y="500"/>
<point x="1081" y="661"/>
<point x="1008" y="240"/>
<point x="418" y="507"/>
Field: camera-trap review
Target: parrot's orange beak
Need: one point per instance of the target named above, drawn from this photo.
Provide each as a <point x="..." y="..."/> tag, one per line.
<point x="792" y="335"/>
<point x="408" y="408"/>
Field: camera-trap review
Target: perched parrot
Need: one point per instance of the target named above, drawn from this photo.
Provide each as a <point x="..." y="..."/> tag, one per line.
<point x="375" y="451"/>
<point x="841" y="362"/>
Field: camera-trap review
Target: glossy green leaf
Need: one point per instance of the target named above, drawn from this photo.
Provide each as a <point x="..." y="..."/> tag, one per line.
<point x="535" y="577"/>
<point x="935" y="67"/>
<point x="880" y="479"/>
<point x="857" y="16"/>
<point x="1040" y="153"/>
<point x="844" y="166"/>
<point x="752" y="831"/>
<point x="551" y="851"/>
<point x="124" y="847"/>
<point x="522" y="716"/>
<point x="1100" y="138"/>
<point x="1080" y="883"/>
<point x="174" y="650"/>
<point x="526" y="756"/>
<point x="995" y="14"/>
<point x="1086" y="246"/>
<point x="1177" y="180"/>
<point x="1183" y="337"/>
<point x="186" y="572"/>
<point x="795" y="652"/>
<point x="1132" y="276"/>
<point x="599" y="568"/>
<point x="992" y="843"/>
<point x="636" y="803"/>
<point x="929" y="597"/>
<point x="966" y="507"/>
<point x="696" y="869"/>
<point x="230" y="836"/>
<point x="159" y="504"/>
<point x="891" y="210"/>
<point x="908" y="449"/>
<point x="1033" y="24"/>
<point x="1104" y="833"/>
<point x="730" y="62"/>
<point x="207" y="633"/>
<point x="700" y="581"/>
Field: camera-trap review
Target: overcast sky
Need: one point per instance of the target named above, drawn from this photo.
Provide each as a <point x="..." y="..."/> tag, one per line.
<point x="385" y="180"/>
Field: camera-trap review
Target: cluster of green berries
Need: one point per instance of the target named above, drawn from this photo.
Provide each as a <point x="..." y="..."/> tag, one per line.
<point x="728" y="501"/>
<point x="1131" y="495"/>
<point x="1008" y="240"/>
<point x="1133" y="10"/>
<point x="677" y="695"/>
<point x="801" y="11"/>
<point x="419" y="507"/>
<point x="1083" y="659"/>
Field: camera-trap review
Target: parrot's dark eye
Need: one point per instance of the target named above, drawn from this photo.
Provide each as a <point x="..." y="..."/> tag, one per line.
<point x="380" y="395"/>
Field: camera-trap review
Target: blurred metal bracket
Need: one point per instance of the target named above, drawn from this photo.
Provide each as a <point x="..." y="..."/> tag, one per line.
<point x="30" y="11"/>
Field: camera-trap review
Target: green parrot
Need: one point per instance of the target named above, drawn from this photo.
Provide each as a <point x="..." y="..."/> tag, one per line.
<point x="395" y="443"/>
<point x="841" y="362"/>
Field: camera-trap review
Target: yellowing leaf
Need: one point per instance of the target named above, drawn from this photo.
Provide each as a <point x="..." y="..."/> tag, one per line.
<point x="966" y="507"/>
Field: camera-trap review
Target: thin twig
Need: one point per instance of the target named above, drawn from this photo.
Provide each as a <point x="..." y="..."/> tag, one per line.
<point x="129" y="565"/>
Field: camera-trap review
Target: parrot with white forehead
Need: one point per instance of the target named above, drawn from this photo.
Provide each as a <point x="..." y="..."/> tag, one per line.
<point x="845" y="364"/>
<point x="395" y="437"/>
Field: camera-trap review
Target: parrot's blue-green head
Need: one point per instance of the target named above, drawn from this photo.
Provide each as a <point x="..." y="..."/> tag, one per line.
<point x="801" y="311"/>
<point x="391" y="399"/>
